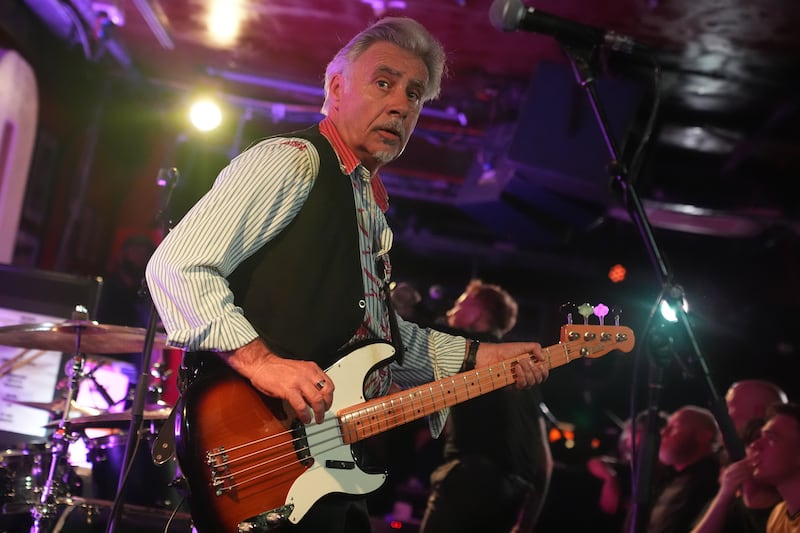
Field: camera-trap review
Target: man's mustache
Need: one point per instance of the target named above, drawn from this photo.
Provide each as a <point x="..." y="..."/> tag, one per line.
<point x="395" y="126"/>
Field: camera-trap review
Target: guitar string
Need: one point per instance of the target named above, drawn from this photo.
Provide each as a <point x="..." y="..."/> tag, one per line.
<point x="465" y="387"/>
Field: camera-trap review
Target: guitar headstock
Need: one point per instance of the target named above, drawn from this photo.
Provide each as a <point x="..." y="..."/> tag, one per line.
<point x="598" y="339"/>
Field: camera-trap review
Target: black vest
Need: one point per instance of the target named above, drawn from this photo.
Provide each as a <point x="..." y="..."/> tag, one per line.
<point x="304" y="291"/>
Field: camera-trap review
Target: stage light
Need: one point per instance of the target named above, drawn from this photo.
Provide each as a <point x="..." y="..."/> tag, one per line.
<point x="669" y="313"/>
<point x="225" y="20"/>
<point x="617" y="273"/>
<point x="205" y="114"/>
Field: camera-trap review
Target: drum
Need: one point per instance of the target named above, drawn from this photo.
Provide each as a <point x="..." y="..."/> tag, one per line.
<point x="24" y="473"/>
<point x="148" y="484"/>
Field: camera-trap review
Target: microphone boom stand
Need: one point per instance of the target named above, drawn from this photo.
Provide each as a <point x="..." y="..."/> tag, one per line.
<point x="580" y="59"/>
<point x="167" y="179"/>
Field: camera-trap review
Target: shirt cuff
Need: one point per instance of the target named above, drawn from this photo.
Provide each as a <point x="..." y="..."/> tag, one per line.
<point x="448" y="357"/>
<point x="230" y="333"/>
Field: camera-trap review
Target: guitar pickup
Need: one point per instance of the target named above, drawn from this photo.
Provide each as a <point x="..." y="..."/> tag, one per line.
<point x="340" y="465"/>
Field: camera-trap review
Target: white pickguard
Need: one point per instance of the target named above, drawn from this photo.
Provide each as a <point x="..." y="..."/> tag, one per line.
<point x="325" y="442"/>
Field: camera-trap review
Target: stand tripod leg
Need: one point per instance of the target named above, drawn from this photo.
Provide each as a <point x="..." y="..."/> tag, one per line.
<point x="46" y="509"/>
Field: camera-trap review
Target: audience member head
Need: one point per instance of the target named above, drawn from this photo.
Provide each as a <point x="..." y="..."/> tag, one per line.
<point x="405" y="299"/>
<point x="690" y="435"/>
<point x="625" y="444"/>
<point x="484" y="308"/>
<point x="775" y="455"/>
<point x="748" y="401"/>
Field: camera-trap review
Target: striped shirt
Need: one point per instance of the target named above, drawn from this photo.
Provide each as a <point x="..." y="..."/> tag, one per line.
<point x="252" y="200"/>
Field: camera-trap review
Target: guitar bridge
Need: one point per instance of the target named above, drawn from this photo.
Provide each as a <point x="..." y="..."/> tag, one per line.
<point x="221" y="478"/>
<point x="269" y="521"/>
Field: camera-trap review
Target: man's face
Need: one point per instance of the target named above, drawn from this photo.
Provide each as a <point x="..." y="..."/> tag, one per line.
<point x="376" y="102"/>
<point x="775" y="456"/>
<point x="466" y="314"/>
<point x="678" y="439"/>
<point x="736" y="409"/>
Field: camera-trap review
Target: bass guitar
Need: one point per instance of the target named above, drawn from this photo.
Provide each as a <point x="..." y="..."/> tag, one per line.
<point x="251" y="465"/>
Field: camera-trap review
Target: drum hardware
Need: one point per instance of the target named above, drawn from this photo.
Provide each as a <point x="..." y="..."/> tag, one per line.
<point x="22" y="474"/>
<point x="160" y="373"/>
<point x="110" y="402"/>
<point x="46" y="508"/>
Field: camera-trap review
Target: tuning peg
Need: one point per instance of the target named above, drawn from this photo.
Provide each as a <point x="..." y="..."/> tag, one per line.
<point x="600" y="311"/>
<point x="616" y="312"/>
<point x="585" y="310"/>
<point x="568" y="309"/>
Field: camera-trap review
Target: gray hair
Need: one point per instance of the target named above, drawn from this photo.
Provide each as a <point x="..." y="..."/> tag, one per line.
<point x="403" y="32"/>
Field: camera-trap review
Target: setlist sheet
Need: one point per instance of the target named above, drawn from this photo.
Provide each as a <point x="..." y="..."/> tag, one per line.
<point x="26" y="374"/>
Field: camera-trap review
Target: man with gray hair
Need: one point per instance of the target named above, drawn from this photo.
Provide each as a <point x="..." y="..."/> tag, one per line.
<point x="689" y="444"/>
<point x="279" y="272"/>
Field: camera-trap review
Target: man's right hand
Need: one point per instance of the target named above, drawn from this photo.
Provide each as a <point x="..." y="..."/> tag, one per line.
<point x="732" y="477"/>
<point x="303" y="384"/>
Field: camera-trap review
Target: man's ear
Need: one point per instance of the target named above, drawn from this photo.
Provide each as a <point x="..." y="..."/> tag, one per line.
<point x="335" y="89"/>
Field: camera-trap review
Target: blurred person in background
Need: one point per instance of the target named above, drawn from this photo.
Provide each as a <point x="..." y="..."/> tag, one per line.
<point x="743" y="503"/>
<point x="775" y="459"/>
<point x="498" y="462"/>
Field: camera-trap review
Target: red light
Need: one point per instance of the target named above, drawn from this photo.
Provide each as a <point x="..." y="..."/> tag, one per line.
<point x="396" y="524"/>
<point x="617" y="273"/>
<point x="595" y="443"/>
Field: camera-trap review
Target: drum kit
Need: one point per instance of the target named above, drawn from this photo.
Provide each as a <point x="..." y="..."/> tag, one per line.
<point x="40" y="482"/>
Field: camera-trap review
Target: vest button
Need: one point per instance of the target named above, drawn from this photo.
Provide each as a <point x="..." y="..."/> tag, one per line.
<point x="362" y="304"/>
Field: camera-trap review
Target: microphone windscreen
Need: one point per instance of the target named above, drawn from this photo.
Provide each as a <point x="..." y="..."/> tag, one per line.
<point x="505" y="15"/>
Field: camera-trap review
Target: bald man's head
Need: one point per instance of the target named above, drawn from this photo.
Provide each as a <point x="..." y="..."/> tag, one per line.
<point x="748" y="400"/>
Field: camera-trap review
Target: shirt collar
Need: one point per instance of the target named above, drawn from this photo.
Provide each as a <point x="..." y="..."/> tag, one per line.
<point x="347" y="158"/>
<point x="348" y="161"/>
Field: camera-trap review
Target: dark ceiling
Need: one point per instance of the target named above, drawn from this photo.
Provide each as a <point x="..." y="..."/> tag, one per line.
<point x="512" y="127"/>
<point x="508" y="167"/>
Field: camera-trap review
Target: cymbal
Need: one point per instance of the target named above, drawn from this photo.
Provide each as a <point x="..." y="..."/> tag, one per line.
<point x="57" y="406"/>
<point x="94" y="338"/>
<point x="114" y="420"/>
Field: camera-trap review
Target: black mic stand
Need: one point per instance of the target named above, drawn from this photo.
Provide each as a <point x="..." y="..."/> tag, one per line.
<point x="580" y="58"/>
<point x="167" y="179"/>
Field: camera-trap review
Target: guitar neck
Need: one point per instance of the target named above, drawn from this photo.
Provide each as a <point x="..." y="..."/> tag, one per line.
<point x="382" y="414"/>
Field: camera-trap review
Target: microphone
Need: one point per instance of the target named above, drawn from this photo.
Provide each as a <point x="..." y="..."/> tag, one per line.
<point x="512" y="15"/>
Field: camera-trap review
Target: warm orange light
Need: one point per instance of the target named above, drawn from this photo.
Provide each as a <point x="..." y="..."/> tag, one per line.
<point x="569" y="434"/>
<point x="595" y="443"/>
<point x="617" y="273"/>
<point x="555" y="434"/>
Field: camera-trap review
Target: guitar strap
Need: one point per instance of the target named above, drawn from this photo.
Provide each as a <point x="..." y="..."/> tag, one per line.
<point x="397" y="341"/>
